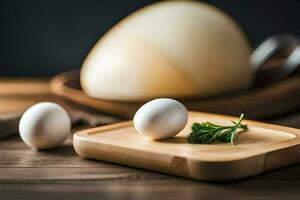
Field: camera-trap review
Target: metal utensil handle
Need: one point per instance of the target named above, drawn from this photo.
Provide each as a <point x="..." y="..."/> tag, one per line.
<point x="267" y="50"/>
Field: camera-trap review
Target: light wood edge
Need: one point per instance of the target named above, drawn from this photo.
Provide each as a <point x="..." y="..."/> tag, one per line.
<point x="24" y="87"/>
<point x="190" y="167"/>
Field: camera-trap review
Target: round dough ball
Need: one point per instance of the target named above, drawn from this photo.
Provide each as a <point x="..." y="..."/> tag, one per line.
<point x="170" y="49"/>
<point x="44" y="125"/>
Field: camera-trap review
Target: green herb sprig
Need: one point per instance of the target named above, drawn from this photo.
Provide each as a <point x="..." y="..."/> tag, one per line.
<point x="207" y="133"/>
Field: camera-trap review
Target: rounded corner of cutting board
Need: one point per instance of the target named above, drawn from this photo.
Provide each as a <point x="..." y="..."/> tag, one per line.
<point x="78" y="148"/>
<point x="82" y="140"/>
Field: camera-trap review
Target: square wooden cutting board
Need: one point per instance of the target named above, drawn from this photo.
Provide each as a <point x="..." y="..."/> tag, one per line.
<point x="262" y="148"/>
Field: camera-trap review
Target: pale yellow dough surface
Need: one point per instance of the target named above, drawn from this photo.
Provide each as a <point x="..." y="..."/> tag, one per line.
<point x="168" y="49"/>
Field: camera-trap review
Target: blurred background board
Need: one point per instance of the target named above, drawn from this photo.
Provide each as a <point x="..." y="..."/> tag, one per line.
<point x="18" y="94"/>
<point x="258" y="103"/>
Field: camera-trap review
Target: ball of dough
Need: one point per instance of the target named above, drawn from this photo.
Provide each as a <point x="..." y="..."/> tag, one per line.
<point x="169" y="49"/>
<point x="44" y="125"/>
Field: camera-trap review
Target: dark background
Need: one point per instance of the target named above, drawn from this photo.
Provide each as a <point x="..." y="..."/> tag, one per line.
<point x="43" y="37"/>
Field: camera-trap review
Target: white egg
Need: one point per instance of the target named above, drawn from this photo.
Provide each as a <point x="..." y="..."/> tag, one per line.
<point x="44" y="125"/>
<point x="160" y="118"/>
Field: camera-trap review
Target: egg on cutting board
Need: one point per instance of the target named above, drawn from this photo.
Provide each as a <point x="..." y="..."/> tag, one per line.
<point x="175" y="49"/>
<point x="44" y="125"/>
<point x="160" y="118"/>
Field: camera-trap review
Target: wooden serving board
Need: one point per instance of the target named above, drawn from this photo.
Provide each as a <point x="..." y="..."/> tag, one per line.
<point x="262" y="148"/>
<point x="257" y="103"/>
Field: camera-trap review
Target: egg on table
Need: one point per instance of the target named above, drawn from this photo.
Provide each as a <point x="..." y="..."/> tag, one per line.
<point x="176" y="49"/>
<point x="160" y="118"/>
<point x="44" y="125"/>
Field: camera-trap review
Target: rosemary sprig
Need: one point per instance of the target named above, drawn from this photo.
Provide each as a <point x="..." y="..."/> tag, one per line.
<point x="207" y="132"/>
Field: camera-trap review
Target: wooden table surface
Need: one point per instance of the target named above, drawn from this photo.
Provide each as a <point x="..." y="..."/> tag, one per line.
<point x="61" y="174"/>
